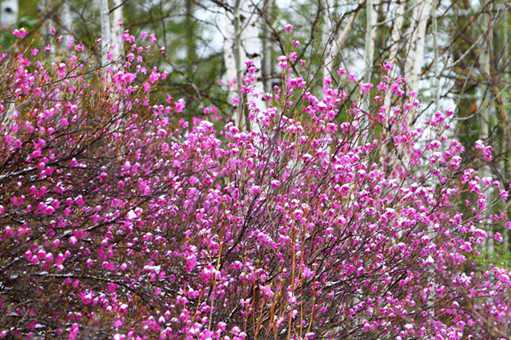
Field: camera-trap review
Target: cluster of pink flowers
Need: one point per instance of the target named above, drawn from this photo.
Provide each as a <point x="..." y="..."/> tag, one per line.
<point x="121" y="219"/>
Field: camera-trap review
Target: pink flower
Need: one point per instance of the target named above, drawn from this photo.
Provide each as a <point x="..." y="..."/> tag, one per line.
<point x="365" y="88"/>
<point x="498" y="237"/>
<point x="485" y="150"/>
<point x="288" y="28"/>
<point x="180" y="105"/>
<point x="20" y="33"/>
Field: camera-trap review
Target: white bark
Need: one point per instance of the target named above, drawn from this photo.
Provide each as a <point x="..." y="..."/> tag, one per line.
<point x="251" y="44"/>
<point x="338" y="41"/>
<point x="370" y="38"/>
<point x="436" y="57"/>
<point x="395" y="39"/>
<point x="106" y="33"/>
<point x="417" y="36"/>
<point x="9" y="12"/>
<point x="229" y="59"/>
<point x="487" y="108"/>
<point x="252" y="48"/>
<point x="266" y="67"/>
<point x="67" y="23"/>
<point x="242" y="42"/>
<point x="232" y="56"/>
<point x="327" y="29"/>
<point x="47" y="25"/>
<point x="397" y="30"/>
<point x="117" y="25"/>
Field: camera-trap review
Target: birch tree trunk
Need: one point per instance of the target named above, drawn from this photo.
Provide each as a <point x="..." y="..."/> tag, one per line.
<point x="436" y="56"/>
<point x="417" y="36"/>
<point x="9" y="12"/>
<point x="242" y="42"/>
<point x="44" y="8"/>
<point x="339" y="40"/>
<point x="395" y="37"/>
<point x="117" y="25"/>
<point x="370" y="39"/>
<point x="395" y="40"/>
<point x="190" y="38"/>
<point x="232" y="56"/>
<point x="327" y="29"/>
<point x="487" y="107"/>
<point x="266" y="62"/>
<point x="252" y="48"/>
<point x="67" y="23"/>
<point x="106" y="33"/>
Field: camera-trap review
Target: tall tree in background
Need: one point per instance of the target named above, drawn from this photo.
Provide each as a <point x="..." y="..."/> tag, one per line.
<point x="340" y="25"/>
<point x="111" y="23"/>
<point x="242" y="42"/>
<point x="465" y="62"/>
<point x="396" y="38"/>
<point x="417" y="35"/>
<point x="266" y="44"/>
<point x="67" y="21"/>
<point x="9" y="12"/>
<point x="371" y="19"/>
<point x="117" y="29"/>
<point x="232" y="54"/>
<point x="106" y="32"/>
<point x="191" y="47"/>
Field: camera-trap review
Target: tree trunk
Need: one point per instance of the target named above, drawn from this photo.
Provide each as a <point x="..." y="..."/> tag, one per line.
<point x="486" y="109"/>
<point x="395" y="40"/>
<point x="370" y="39"/>
<point x="339" y="41"/>
<point x="267" y="55"/>
<point x="232" y="56"/>
<point x="44" y="7"/>
<point x="243" y="42"/>
<point x="417" y="37"/>
<point x="106" y="38"/>
<point x="190" y="38"/>
<point x="468" y="125"/>
<point x="117" y="25"/>
<point x="9" y="12"/>
<point x="67" y="23"/>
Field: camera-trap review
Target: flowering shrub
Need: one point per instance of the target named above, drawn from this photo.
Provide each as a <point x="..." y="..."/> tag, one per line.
<point x="119" y="219"/>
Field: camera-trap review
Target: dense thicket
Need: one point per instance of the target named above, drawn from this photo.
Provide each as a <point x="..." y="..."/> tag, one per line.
<point x="326" y="216"/>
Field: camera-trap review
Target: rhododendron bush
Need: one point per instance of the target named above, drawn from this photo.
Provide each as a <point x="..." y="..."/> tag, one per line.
<point x="120" y="219"/>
